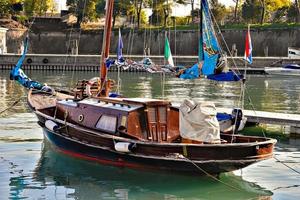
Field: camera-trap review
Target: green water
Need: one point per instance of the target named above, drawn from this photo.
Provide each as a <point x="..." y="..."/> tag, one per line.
<point x="31" y="169"/>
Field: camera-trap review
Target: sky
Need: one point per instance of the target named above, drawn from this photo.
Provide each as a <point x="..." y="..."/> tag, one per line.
<point x="61" y="4"/>
<point x="185" y="10"/>
<point x="227" y="2"/>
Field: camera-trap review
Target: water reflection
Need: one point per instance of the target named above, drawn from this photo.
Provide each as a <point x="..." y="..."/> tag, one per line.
<point x="78" y="179"/>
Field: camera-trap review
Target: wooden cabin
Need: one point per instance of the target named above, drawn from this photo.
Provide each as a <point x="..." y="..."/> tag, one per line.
<point x="142" y="119"/>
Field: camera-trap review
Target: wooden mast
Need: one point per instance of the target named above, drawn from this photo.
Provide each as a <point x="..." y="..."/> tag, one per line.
<point x="105" y="85"/>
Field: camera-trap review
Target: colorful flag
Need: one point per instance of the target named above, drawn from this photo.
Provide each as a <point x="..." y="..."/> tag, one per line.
<point x="120" y="47"/>
<point x="248" y="47"/>
<point x="168" y="55"/>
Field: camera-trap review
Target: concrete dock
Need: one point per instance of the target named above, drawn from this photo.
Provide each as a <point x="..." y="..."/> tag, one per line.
<point x="91" y="62"/>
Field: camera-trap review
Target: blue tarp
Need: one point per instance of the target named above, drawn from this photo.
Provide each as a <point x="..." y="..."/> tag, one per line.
<point x="228" y="76"/>
<point x="223" y="116"/>
<point x="191" y="73"/>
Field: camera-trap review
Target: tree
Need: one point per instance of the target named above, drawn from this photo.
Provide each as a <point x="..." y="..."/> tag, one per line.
<point x="293" y="13"/>
<point x="251" y="11"/>
<point x="218" y="10"/>
<point x="192" y="10"/>
<point x="297" y="6"/>
<point x="120" y="8"/>
<point x="82" y="9"/>
<point x="260" y="10"/>
<point x="263" y="11"/>
<point x="138" y="8"/>
<point x="38" y="7"/>
<point x="4" y="8"/>
<point x="161" y="10"/>
<point x="236" y="10"/>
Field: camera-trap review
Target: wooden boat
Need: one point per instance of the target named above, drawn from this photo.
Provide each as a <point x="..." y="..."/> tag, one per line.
<point x="93" y="127"/>
<point x="132" y="132"/>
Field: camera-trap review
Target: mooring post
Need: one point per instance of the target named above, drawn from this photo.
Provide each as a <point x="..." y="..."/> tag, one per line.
<point x="295" y="131"/>
<point x="234" y="50"/>
<point x="266" y="51"/>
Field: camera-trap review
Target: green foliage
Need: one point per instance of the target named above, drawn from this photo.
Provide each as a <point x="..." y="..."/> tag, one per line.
<point x="251" y="10"/>
<point x="293" y="13"/>
<point x="83" y="9"/>
<point x="280" y="14"/>
<point x="218" y="10"/>
<point x="38" y="7"/>
<point x="21" y="18"/>
<point x="255" y="11"/>
<point x="183" y="20"/>
<point x="161" y="11"/>
<point x="4" y="8"/>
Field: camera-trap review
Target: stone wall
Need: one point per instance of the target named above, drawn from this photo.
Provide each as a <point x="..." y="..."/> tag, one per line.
<point x="273" y="42"/>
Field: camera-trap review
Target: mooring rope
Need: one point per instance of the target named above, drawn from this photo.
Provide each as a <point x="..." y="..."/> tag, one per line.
<point x="208" y="174"/>
<point x="298" y="172"/>
<point x="11" y="106"/>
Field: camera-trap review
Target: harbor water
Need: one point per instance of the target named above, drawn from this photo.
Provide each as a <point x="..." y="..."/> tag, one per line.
<point x="30" y="168"/>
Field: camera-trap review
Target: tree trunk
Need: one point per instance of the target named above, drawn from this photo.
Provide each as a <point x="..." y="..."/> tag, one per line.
<point x="138" y="12"/>
<point x="114" y="21"/>
<point x="166" y="15"/>
<point x="298" y="10"/>
<point x="262" y="19"/>
<point x="192" y="11"/>
<point x="79" y="20"/>
<point x="235" y="10"/>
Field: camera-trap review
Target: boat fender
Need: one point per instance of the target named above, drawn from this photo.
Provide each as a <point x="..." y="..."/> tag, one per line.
<point x="124" y="147"/>
<point x="89" y="84"/>
<point x="51" y="125"/>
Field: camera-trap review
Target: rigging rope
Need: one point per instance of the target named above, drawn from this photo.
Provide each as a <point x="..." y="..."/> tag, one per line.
<point x="223" y="39"/>
<point x="79" y="38"/>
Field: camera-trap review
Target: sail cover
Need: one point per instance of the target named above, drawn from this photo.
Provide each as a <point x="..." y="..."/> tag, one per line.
<point x="198" y="121"/>
<point x="210" y="49"/>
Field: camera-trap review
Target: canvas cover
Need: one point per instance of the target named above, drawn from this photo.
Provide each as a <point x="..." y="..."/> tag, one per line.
<point x="198" y="121"/>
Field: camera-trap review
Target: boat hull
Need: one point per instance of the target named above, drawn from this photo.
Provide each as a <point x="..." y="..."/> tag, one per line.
<point x="282" y="71"/>
<point x="105" y="156"/>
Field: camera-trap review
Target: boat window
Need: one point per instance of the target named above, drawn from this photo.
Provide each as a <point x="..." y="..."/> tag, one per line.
<point x="162" y="114"/>
<point x="291" y="52"/>
<point x="107" y="123"/>
<point x="152" y="115"/>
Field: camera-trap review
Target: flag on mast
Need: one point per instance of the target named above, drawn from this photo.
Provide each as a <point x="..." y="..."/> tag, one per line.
<point x="248" y="47"/>
<point x="120" y="47"/>
<point x="168" y="54"/>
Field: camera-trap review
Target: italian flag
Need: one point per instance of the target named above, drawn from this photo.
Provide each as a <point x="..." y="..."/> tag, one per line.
<point x="168" y="54"/>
